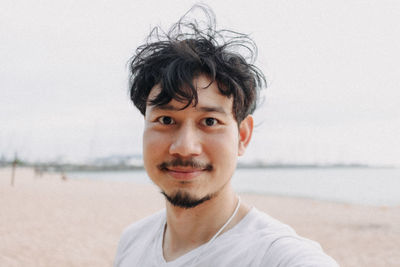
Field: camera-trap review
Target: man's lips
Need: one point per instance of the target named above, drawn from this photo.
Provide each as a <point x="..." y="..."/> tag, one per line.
<point x="184" y="173"/>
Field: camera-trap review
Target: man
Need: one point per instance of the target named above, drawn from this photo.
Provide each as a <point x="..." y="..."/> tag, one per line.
<point x="197" y="94"/>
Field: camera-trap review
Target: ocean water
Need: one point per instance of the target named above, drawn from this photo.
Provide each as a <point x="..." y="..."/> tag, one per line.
<point x="367" y="186"/>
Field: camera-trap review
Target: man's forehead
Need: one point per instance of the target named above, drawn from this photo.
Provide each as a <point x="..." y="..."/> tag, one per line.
<point x="172" y="106"/>
<point x="203" y="106"/>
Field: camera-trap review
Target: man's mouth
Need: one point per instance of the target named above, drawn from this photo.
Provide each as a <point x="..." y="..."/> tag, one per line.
<point x="184" y="173"/>
<point x="184" y="169"/>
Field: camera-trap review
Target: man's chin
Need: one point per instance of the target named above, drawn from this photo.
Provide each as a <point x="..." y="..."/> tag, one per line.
<point x="185" y="200"/>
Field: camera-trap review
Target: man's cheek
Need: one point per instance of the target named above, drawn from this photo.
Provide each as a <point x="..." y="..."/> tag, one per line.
<point x="154" y="139"/>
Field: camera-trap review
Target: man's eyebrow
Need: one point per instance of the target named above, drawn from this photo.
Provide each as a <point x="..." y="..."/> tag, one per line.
<point x="212" y="109"/>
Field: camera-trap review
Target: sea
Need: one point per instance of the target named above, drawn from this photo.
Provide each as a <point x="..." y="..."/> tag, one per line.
<point x="365" y="186"/>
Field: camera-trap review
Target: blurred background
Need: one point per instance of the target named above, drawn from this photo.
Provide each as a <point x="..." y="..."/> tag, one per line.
<point x="328" y="128"/>
<point x="330" y="115"/>
<point x="332" y="69"/>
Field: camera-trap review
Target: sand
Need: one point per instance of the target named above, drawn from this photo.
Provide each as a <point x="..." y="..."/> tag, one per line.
<point x="47" y="221"/>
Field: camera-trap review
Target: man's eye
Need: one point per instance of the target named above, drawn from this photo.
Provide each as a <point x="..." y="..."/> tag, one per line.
<point x="165" y="120"/>
<point x="210" y="121"/>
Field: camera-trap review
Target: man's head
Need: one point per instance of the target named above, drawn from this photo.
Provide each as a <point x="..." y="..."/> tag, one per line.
<point x="187" y="50"/>
<point x="196" y="93"/>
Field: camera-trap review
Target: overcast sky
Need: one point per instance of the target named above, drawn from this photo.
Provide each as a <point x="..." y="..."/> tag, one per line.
<point x="333" y="69"/>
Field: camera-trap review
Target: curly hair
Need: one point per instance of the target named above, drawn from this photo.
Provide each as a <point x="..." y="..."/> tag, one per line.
<point x="191" y="48"/>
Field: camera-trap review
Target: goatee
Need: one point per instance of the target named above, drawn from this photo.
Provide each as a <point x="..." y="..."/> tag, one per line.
<point x="184" y="200"/>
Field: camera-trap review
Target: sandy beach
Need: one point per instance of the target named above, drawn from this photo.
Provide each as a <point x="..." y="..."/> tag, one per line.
<point x="47" y="221"/>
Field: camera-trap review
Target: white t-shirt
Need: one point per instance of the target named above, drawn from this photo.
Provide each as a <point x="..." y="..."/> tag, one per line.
<point x="257" y="240"/>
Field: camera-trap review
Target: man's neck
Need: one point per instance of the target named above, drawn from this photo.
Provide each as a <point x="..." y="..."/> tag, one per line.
<point x="187" y="229"/>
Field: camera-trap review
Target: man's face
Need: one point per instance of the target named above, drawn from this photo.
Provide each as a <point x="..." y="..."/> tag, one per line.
<point x="191" y="154"/>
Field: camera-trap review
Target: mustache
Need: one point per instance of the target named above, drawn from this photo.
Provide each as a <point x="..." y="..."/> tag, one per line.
<point x="178" y="162"/>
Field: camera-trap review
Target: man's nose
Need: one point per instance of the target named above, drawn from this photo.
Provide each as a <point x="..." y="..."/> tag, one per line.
<point x="186" y="142"/>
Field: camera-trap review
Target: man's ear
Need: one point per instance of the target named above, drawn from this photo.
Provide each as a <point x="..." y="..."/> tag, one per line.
<point x="245" y="132"/>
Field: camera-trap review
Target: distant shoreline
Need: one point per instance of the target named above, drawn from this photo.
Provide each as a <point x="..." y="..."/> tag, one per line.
<point x="57" y="167"/>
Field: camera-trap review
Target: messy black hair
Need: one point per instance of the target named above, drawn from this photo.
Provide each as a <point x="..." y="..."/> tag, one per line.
<point x="191" y="48"/>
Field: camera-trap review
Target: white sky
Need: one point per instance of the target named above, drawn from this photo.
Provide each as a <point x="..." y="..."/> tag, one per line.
<point x="333" y="69"/>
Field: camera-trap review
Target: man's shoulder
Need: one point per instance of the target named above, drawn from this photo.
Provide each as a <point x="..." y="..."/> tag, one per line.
<point x="145" y="224"/>
<point x="280" y="244"/>
<point x="141" y="229"/>
<point x="262" y="223"/>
